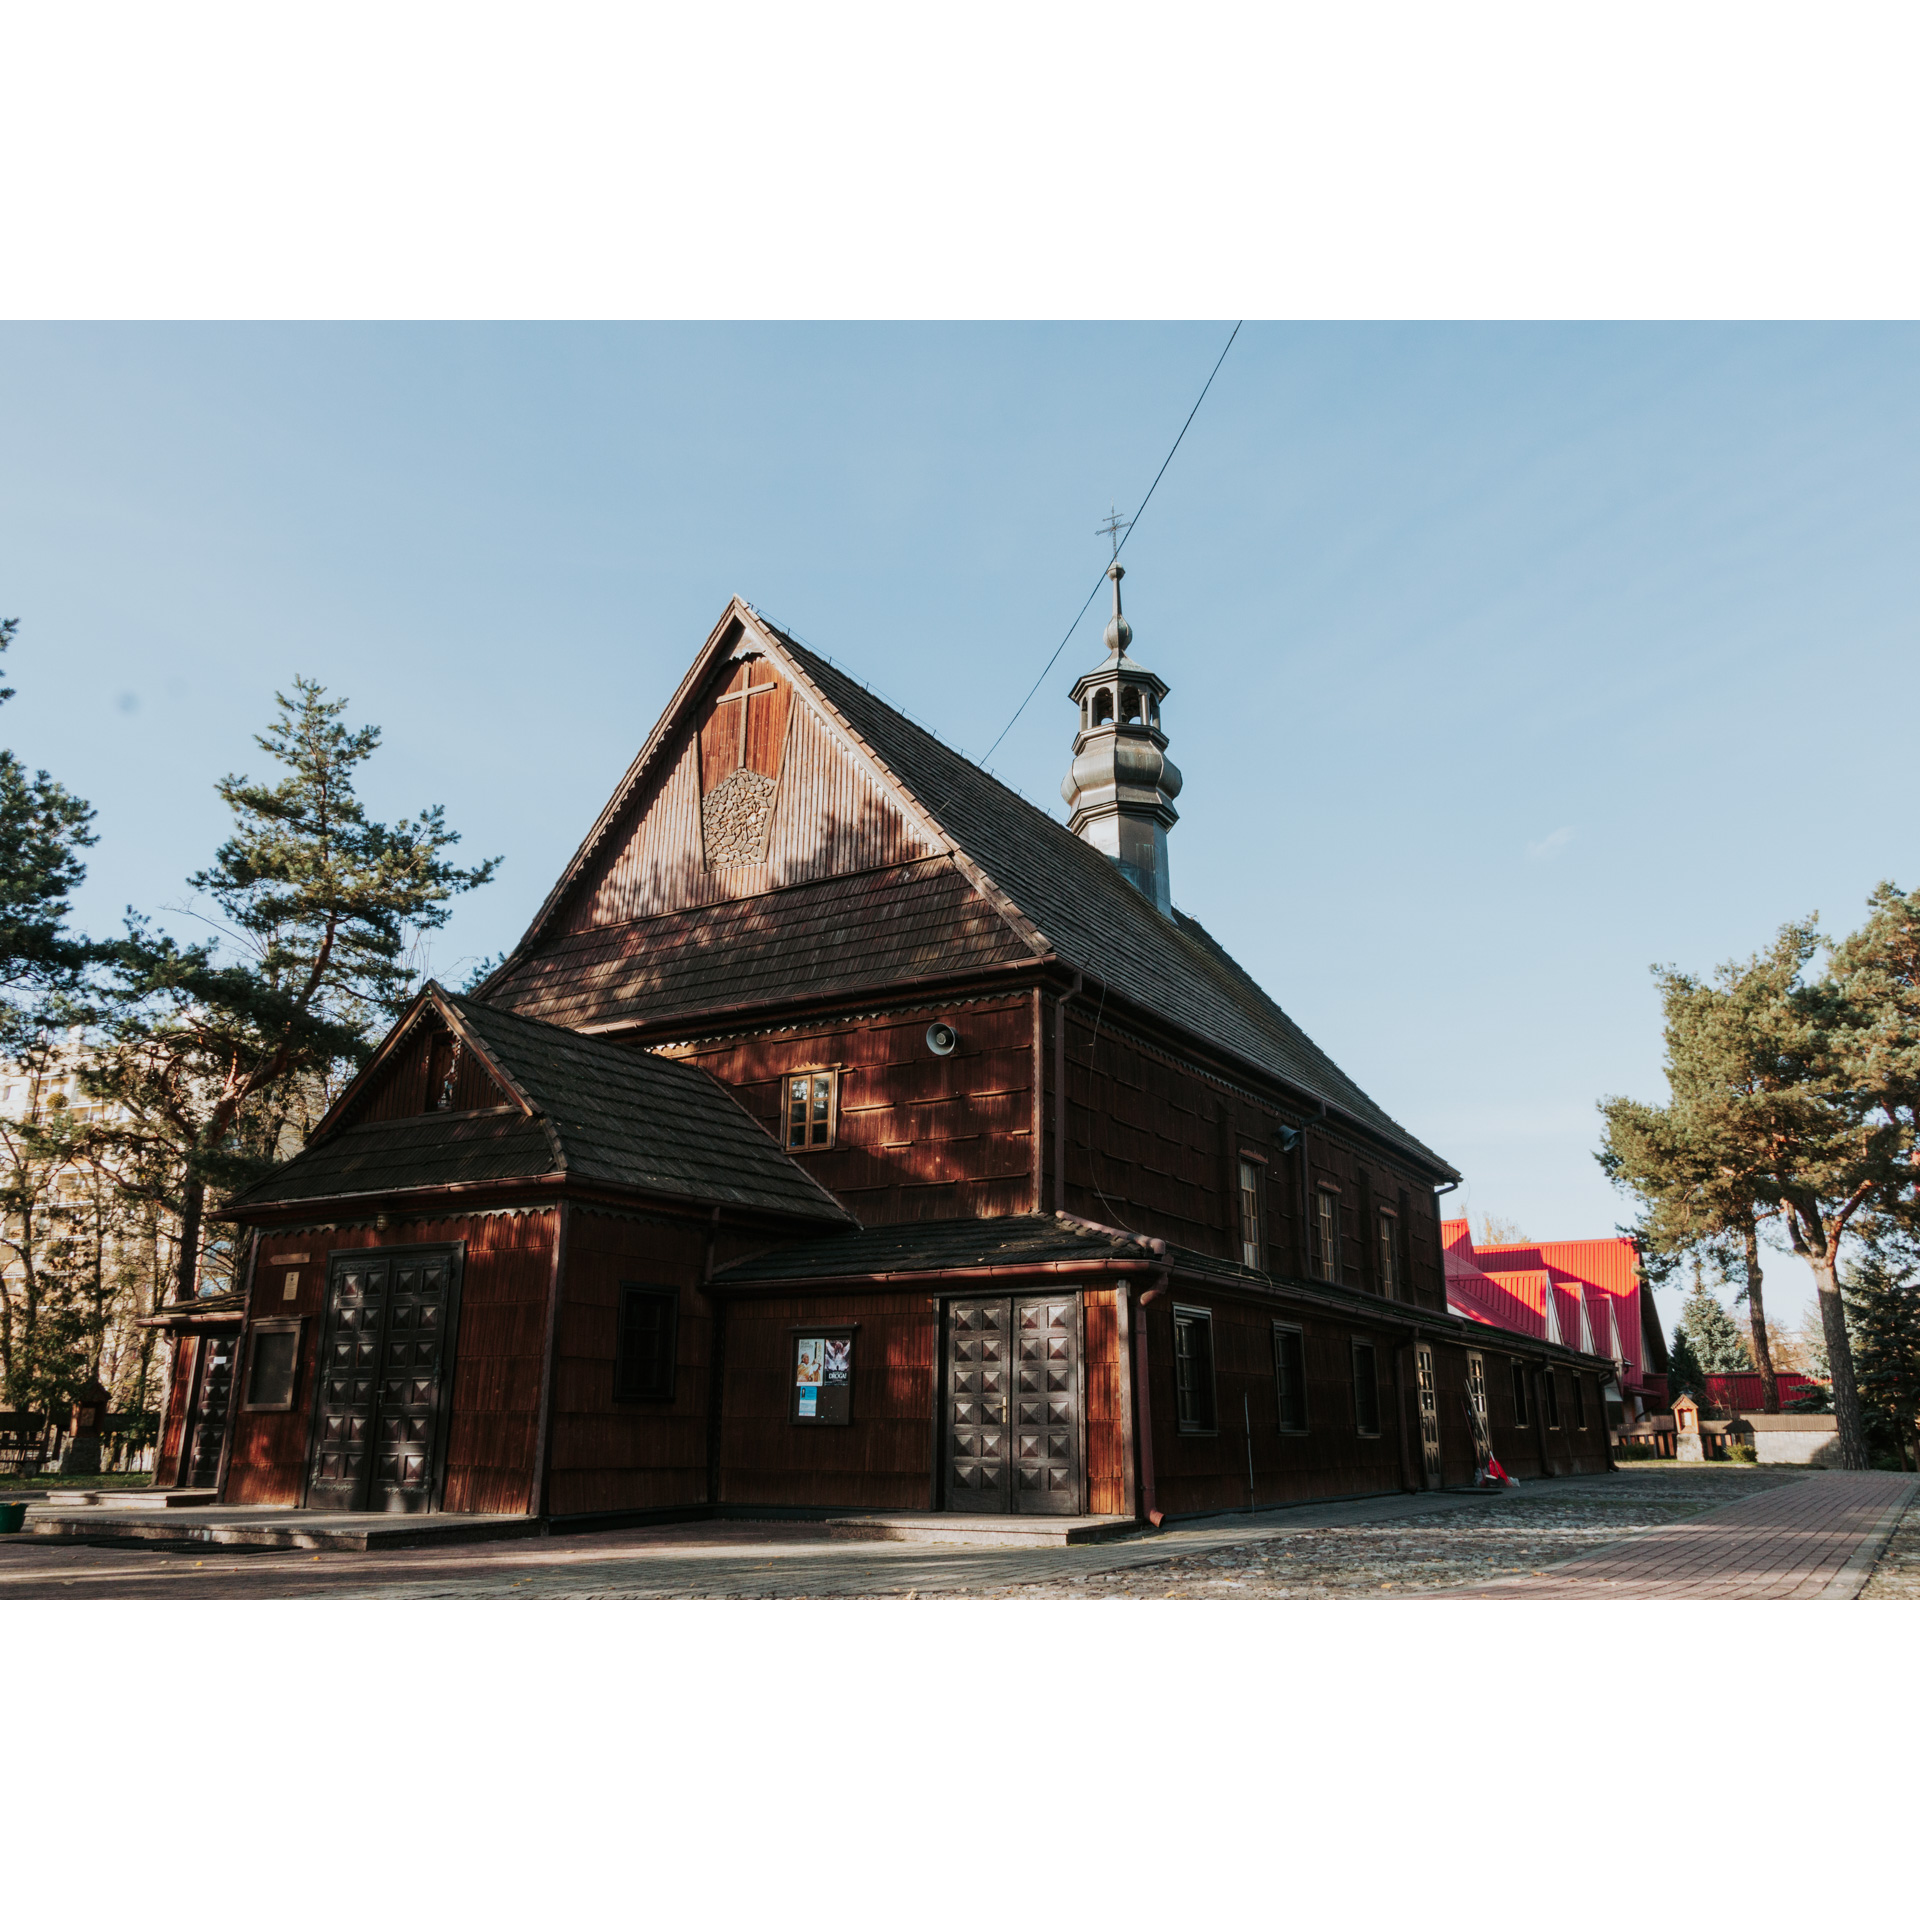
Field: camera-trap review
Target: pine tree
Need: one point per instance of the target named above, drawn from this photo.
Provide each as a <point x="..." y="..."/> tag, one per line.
<point x="43" y="829"/>
<point x="1798" y="1094"/>
<point x="1883" y="1318"/>
<point x="215" y="1048"/>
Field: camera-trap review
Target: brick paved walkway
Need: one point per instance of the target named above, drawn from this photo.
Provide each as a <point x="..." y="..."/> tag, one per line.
<point x="1812" y="1541"/>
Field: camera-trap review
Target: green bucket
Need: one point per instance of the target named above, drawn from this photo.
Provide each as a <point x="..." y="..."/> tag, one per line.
<point x="13" y="1515"/>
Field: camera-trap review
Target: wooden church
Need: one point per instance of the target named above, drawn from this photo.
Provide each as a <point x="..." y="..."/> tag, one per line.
<point x="846" y="1134"/>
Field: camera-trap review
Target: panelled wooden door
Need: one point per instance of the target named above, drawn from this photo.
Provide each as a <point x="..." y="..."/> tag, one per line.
<point x="386" y="1361"/>
<point x="1429" y="1397"/>
<point x="1013" y="1406"/>
<point x="207" y="1411"/>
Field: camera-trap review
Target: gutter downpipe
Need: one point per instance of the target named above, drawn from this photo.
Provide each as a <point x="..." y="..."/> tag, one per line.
<point x="1142" y="1392"/>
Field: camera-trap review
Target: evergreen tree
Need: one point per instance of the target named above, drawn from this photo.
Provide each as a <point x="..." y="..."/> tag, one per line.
<point x="1699" y="1188"/>
<point x="1713" y="1337"/>
<point x="44" y="1334"/>
<point x="43" y="829"/>
<point x="215" y="1048"/>
<point x="1800" y="1094"/>
<point x="1684" y="1372"/>
<point x="1883" y="1319"/>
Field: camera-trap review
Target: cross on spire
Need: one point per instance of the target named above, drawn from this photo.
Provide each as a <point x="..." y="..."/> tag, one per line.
<point x="1113" y="527"/>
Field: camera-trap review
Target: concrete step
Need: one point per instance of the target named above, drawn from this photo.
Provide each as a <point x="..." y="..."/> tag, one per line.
<point x="251" y="1529"/>
<point x="140" y="1499"/>
<point x="983" y="1529"/>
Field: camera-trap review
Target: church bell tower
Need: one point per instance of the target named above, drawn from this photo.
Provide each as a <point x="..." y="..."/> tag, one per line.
<point x="1121" y="785"/>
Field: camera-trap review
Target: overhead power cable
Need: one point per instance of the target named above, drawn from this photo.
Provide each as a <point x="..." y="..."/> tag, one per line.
<point x="1124" y="538"/>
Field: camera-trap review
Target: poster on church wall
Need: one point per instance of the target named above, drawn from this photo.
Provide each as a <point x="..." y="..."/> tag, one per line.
<point x="822" y="1391"/>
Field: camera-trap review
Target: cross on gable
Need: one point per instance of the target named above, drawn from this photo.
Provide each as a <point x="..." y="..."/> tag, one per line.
<point x="744" y="694"/>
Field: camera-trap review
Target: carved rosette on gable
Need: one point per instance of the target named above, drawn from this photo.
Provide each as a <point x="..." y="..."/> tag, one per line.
<point x="736" y="818"/>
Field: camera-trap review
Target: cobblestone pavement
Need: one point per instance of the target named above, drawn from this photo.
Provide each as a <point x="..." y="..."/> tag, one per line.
<point x="1897" y="1576"/>
<point x="1401" y="1544"/>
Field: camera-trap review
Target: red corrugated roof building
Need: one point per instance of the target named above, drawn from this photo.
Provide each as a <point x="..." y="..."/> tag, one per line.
<point x="1583" y="1294"/>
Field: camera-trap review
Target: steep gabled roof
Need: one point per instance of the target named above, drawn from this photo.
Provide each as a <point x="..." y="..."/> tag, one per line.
<point x="1054" y="895"/>
<point x="1088" y="913"/>
<point x="609" y="1115"/>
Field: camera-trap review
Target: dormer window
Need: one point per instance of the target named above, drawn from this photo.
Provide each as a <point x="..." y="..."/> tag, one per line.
<point x="1103" y="707"/>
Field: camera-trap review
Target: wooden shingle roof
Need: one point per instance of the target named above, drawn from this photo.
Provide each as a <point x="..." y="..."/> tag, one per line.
<point x="1010" y="883"/>
<point x="1091" y="916"/>
<point x="608" y="1115"/>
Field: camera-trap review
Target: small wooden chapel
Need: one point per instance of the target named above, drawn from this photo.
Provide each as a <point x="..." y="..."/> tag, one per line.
<point x="846" y="1134"/>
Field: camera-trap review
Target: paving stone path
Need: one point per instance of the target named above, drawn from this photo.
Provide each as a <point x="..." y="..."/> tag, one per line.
<point x="1816" y="1540"/>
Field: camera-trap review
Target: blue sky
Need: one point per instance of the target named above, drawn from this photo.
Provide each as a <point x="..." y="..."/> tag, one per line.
<point x="1506" y="660"/>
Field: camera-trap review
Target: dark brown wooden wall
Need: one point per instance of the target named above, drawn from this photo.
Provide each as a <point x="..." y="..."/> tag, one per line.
<point x="494" y="1404"/>
<point x="884" y="1458"/>
<point x="920" y="1137"/>
<point x="1203" y="1473"/>
<point x="1154" y="1146"/>
<point x="607" y="1456"/>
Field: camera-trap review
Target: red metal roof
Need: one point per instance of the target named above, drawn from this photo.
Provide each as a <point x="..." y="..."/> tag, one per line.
<point x="1589" y="1273"/>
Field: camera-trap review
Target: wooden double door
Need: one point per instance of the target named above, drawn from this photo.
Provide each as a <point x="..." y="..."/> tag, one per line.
<point x="386" y="1363"/>
<point x="1013" y="1395"/>
<point x="209" y="1406"/>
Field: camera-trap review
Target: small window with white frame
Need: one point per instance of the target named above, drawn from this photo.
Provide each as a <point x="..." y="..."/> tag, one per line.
<point x="812" y="1109"/>
<point x="1253" y="1231"/>
<point x="1389" y="1235"/>
<point x="1326" y="1235"/>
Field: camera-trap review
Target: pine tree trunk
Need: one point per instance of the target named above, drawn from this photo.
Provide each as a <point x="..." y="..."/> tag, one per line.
<point x="1762" y="1353"/>
<point x="186" y="1266"/>
<point x="1833" y="1323"/>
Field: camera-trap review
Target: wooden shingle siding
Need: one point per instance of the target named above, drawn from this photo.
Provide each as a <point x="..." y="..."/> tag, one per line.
<point x="920" y="1137"/>
<point x="1154" y="1146"/>
<point x="495" y="1389"/>
<point x="884" y="1457"/>
<point x="831" y="817"/>
<point x="406" y="1087"/>
<point x="608" y="1456"/>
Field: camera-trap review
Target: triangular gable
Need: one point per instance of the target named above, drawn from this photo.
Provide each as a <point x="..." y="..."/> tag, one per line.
<point x="748" y="782"/>
<point x="430" y="1062"/>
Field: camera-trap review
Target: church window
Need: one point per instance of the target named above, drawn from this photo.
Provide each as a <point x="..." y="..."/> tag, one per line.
<point x="1290" y="1377"/>
<point x="1389" y="1254"/>
<point x="1130" y="704"/>
<point x="1519" y="1393"/>
<point x="1253" y="1238"/>
<point x="811" y="1111"/>
<point x="1326" y="1234"/>
<point x="1366" y="1389"/>
<point x="649" y="1334"/>
<point x="1193" y="1369"/>
<point x="1103" y="706"/>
